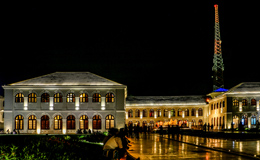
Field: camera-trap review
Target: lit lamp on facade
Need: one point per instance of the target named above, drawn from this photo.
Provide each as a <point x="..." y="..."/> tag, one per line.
<point x="51" y="103"/>
<point x="77" y="103"/>
<point x="240" y="107"/>
<point x="126" y="115"/>
<point x="257" y="105"/>
<point x="141" y="115"/>
<point x="25" y="104"/>
<point x="103" y="103"/>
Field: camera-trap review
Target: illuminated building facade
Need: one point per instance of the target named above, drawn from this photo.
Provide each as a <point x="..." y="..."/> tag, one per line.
<point x="63" y="102"/>
<point x="1" y="111"/>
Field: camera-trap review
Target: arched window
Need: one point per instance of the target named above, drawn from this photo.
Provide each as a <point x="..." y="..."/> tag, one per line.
<point x="151" y="114"/>
<point x="70" y="98"/>
<point x="70" y="122"/>
<point x="211" y="106"/>
<point x="244" y="102"/>
<point x="253" y="120"/>
<point x="83" y="122"/>
<point x="187" y="112"/>
<point x="32" y="98"/>
<point x="200" y="112"/>
<point x="130" y="113"/>
<point x="144" y="113"/>
<point x="193" y="122"/>
<point x="223" y="104"/>
<point x="45" y="124"/>
<point x="97" y="122"/>
<point x="96" y="97"/>
<point x="193" y="112"/>
<point x="45" y="97"/>
<point x="57" y="98"/>
<point x="19" y="98"/>
<point x="217" y="105"/>
<point x="165" y="113"/>
<point x="200" y="123"/>
<point x="57" y="122"/>
<point x="217" y="121"/>
<point x="159" y="113"/>
<point x="137" y="113"/>
<point x="32" y="122"/>
<point x="179" y="112"/>
<point x="253" y="102"/>
<point x="110" y="97"/>
<point x="172" y="112"/>
<point x="235" y="102"/>
<point x="110" y="121"/>
<point x="83" y="98"/>
<point x="19" y="122"/>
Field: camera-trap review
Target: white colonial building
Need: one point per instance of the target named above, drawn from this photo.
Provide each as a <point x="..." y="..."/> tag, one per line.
<point x="63" y="102"/>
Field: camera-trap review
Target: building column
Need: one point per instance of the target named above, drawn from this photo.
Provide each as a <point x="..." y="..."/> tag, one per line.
<point x="25" y="125"/>
<point x="90" y="125"/>
<point x="64" y="126"/>
<point x="38" y="127"/>
<point x="103" y="127"/>
<point x="76" y="124"/>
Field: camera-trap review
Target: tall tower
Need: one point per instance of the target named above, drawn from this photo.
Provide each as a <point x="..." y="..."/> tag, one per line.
<point x="218" y="65"/>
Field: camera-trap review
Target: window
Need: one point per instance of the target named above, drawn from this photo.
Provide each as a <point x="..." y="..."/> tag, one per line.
<point x="70" y="98"/>
<point x="200" y="112"/>
<point x="193" y="112"/>
<point x="173" y="113"/>
<point x="57" y="98"/>
<point x="96" y="97"/>
<point x="32" y="122"/>
<point x="137" y="113"/>
<point x="19" y="98"/>
<point x="32" y="98"/>
<point x="253" y="102"/>
<point x="110" y="121"/>
<point x="235" y="102"/>
<point x="211" y="106"/>
<point x="187" y="112"/>
<point x="179" y="112"/>
<point x="19" y="122"/>
<point x="223" y="104"/>
<point x="57" y="122"/>
<point x="159" y="113"/>
<point x="45" y="124"/>
<point x="83" y="122"/>
<point x="151" y="114"/>
<point x="244" y="102"/>
<point x="217" y="105"/>
<point x="144" y="113"/>
<point x="45" y="97"/>
<point x="97" y="122"/>
<point x="70" y="122"/>
<point x="253" y="120"/>
<point x="110" y="97"/>
<point x="130" y="113"/>
<point x="83" y="98"/>
<point x="165" y="113"/>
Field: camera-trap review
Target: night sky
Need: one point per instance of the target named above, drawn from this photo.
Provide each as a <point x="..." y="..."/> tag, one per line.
<point x="154" y="49"/>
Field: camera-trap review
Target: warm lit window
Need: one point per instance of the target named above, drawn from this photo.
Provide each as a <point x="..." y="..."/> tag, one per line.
<point x="179" y="112"/>
<point x="83" y="122"/>
<point x="96" y="97"/>
<point x="57" y="122"/>
<point x="151" y="113"/>
<point x="187" y="112"/>
<point x="32" y="98"/>
<point x="96" y="122"/>
<point x="235" y="102"/>
<point x="200" y="112"/>
<point x="166" y="113"/>
<point x="253" y="102"/>
<point x="45" y="123"/>
<point x="137" y="113"/>
<point x="130" y="113"/>
<point x="32" y="122"/>
<point x="83" y="98"/>
<point x="57" y="98"/>
<point x="110" y="97"/>
<point x="70" y="122"/>
<point x="159" y="113"/>
<point x="110" y="121"/>
<point x="200" y="123"/>
<point x="244" y="102"/>
<point x="144" y="113"/>
<point x="19" y="122"/>
<point x="19" y="98"/>
<point x="70" y="98"/>
<point x="45" y="97"/>
<point x="173" y="113"/>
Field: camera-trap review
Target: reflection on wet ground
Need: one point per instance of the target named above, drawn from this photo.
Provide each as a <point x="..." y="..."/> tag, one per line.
<point x="151" y="147"/>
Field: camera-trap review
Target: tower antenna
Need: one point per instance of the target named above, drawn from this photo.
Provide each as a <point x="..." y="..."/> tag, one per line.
<point x="218" y="65"/>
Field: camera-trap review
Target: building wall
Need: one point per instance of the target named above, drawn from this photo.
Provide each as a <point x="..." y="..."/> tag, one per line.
<point x="77" y="109"/>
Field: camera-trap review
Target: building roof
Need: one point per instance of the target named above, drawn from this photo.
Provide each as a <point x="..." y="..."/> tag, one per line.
<point x="67" y="79"/>
<point x="165" y="100"/>
<point x="245" y="87"/>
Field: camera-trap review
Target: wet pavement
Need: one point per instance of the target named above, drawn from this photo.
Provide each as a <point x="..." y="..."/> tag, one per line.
<point x="152" y="147"/>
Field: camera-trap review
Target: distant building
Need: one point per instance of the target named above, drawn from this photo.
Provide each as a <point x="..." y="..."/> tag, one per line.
<point x="239" y="105"/>
<point x="63" y="102"/>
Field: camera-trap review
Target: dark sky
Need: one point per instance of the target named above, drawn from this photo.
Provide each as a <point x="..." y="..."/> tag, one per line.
<point x="154" y="49"/>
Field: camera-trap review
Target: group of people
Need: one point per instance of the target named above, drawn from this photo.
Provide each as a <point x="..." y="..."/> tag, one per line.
<point x="115" y="144"/>
<point x="13" y="132"/>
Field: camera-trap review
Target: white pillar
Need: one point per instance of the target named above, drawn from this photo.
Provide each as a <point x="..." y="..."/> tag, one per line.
<point x="25" y="103"/>
<point x="51" y="103"/>
<point x="38" y="127"/>
<point x="103" y="103"/>
<point x="76" y="103"/>
<point x="64" y="126"/>
<point x="240" y="107"/>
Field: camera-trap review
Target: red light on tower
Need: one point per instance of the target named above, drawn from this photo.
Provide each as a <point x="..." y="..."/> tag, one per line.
<point x="215" y="5"/>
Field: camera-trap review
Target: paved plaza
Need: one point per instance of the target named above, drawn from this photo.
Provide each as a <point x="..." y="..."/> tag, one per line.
<point x="152" y="147"/>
